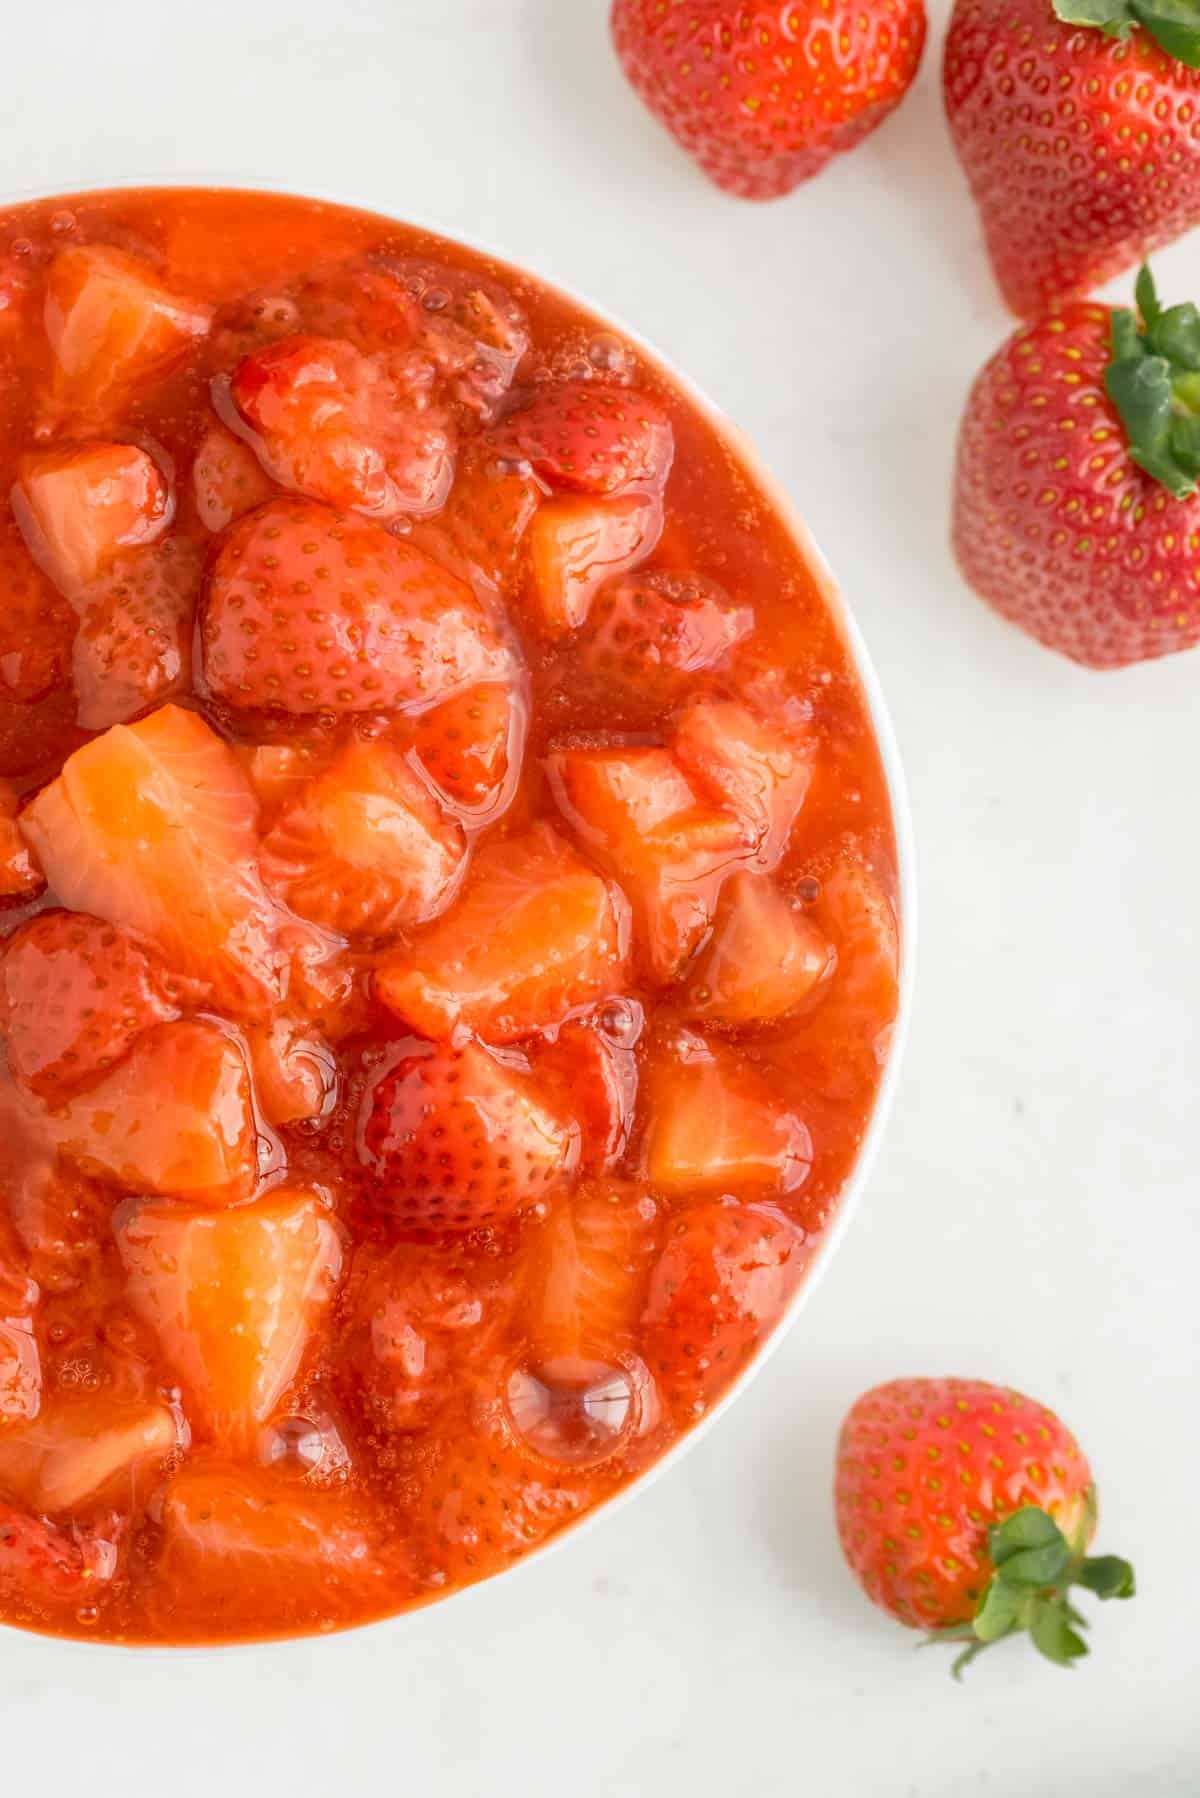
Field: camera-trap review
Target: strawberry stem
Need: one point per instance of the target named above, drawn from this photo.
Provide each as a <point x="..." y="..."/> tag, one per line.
<point x="1153" y="380"/>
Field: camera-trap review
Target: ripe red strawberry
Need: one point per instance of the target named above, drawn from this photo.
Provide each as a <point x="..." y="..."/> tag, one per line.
<point x="479" y="531"/>
<point x="134" y="645"/>
<point x="227" y="479"/>
<point x="313" y="610"/>
<point x="1079" y="144"/>
<point x="42" y="1566"/>
<point x="472" y="747"/>
<point x="721" y="1285"/>
<point x="762" y="96"/>
<point x="659" y="627"/>
<point x="1075" y="505"/>
<point x="457" y="1138"/>
<point x="593" y="1062"/>
<point x="79" y="508"/>
<point x="591" y="438"/>
<point x="966" y="1509"/>
<point x="75" y="995"/>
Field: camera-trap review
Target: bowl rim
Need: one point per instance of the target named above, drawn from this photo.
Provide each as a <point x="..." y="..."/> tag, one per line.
<point x="850" y="1199"/>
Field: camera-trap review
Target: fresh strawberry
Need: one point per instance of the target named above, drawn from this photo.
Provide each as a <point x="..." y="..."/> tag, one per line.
<point x="536" y="934"/>
<point x="1074" y="190"/>
<point x="594" y="1064"/>
<point x="764" y="959"/>
<point x="652" y="630"/>
<point x="759" y="770"/>
<point x="295" y="1070"/>
<point x="576" y="544"/>
<point x="472" y="747"/>
<point x="591" y="438"/>
<point x="75" y="995"/>
<point x="715" y="1127"/>
<point x="37" y="628"/>
<point x="341" y="427"/>
<point x="233" y="1296"/>
<point x="722" y="1283"/>
<point x="43" y="1567"/>
<point x="365" y="849"/>
<point x="20" y="875"/>
<point x="762" y="96"/>
<point x="636" y="812"/>
<point x="1080" y="444"/>
<point x="455" y="1139"/>
<point x="134" y="646"/>
<point x="966" y="1509"/>
<point x="313" y="610"/>
<point x="227" y="480"/>
<point x="79" y="1448"/>
<point x="113" y="327"/>
<point x="479" y="531"/>
<point x="153" y="827"/>
<point x="79" y="508"/>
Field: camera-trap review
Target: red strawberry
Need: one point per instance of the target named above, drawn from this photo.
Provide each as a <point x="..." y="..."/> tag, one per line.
<point x="721" y="1285"/>
<point x="457" y="1138"/>
<point x="79" y="508"/>
<point x="764" y="95"/>
<point x="713" y="1126"/>
<point x="470" y="327"/>
<point x="37" y="628"/>
<point x="295" y="1071"/>
<point x="313" y="610"/>
<point x="756" y="768"/>
<point x="227" y="479"/>
<point x="656" y="628"/>
<point x="20" y="875"/>
<point x="1079" y="144"/>
<point x="1075" y="505"/>
<point x="576" y="544"/>
<point x="479" y="531"/>
<point x="134" y="645"/>
<point x="594" y="1063"/>
<point x="472" y="747"/>
<point x="591" y="438"/>
<point x="342" y="427"/>
<point x="43" y="1567"/>
<point x="85" y="1446"/>
<point x="764" y="957"/>
<point x="75" y="995"/>
<point x="967" y="1509"/>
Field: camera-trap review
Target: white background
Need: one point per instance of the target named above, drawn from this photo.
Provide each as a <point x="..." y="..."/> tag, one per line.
<point x="1033" y="1218"/>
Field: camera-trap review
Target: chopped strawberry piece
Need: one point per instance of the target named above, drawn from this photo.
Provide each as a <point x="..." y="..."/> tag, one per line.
<point x="425" y="1325"/>
<point x="480" y="530"/>
<point x="723" y="1281"/>
<point x="153" y="827"/>
<point x="592" y="439"/>
<point x="636" y="812"/>
<point x="852" y="1029"/>
<point x="455" y="1139"/>
<point x="175" y="1116"/>
<point x="472" y="747"/>
<point x="575" y="545"/>
<point x="75" y="995"/>
<point x="79" y="508"/>
<point x="227" y="480"/>
<point x="20" y="875"/>
<point x="330" y="986"/>
<point x="37" y="628"/>
<point x="594" y="1065"/>
<point x="765" y="957"/>
<point x="233" y="1297"/>
<point x="42" y="1566"/>
<point x="80" y="1448"/>
<point x="651" y="630"/>
<point x="471" y="328"/>
<point x="536" y="934"/>
<point x="365" y="849"/>
<point x="295" y="1071"/>
<point x="312" y="610"/>
<point x="20" y="1362"/>
<point x="341" y="427"/>
<point x="760" y="771"/>
<point x="587" y="1278"/>
<point x="112" y="326"/>
<point x="134" y="647"/>
<point x="714" y="1127"/>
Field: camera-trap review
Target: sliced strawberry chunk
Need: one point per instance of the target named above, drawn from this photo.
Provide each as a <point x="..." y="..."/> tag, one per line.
<point x="593" y="439"/>
<point x="654" y="629"/>
<point x="339" y="426"/>
<point x="37" y="628"/>
<point x="227" y="479"/>
<point x="759" y="771"/>
<point x="75" y="995"/>
<point x="765" y="957"/>
<point x="852" y="1029"/>
<point x="471" y="328"/>
<point x="280" y="772"/>
<point x="80" y="1448"/>
<point x="724" y="1280"/>
<point x="153" y="827"/>
<point x="472" y="747"/>
<point x="480" y="530"/>
<point x="588" y="1272"/>
<point x="312" y="610"/>
<point x="20" y="1362"/>
<point x="455" y="1139"/>
<point x="593" y="1063"/>
<point x="43" y="1567"/>
<point x="112" y="326"/>
<point x="714" y="1127"/>
<point x="134" y="647"/>
<point x="634" y="810"/>
<point x="575" y="545"/>
<point x="366" y="849"/>
<point x="79" y="508"/>
<point x="20" y="875"/>
<point x="536" y="933"/>
<point x="295" y="1070"/>
<point x="174" y="1117"/>
<point x="233" y="1296"/>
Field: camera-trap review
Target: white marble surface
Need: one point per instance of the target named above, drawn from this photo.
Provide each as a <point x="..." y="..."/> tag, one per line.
<point x="1034" y="1215"/>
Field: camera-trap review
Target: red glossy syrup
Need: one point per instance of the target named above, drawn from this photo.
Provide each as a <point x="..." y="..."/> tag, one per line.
<point x="448" y="909"/>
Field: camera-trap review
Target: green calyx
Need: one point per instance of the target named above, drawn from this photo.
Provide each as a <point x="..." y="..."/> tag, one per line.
<point x="1173" y="24"/>
<point x="1035" y="1569"/>
<point x="1153" y="380"/>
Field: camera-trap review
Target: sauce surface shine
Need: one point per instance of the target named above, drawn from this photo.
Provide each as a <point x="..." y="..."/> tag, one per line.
<point x="447" y="899"/>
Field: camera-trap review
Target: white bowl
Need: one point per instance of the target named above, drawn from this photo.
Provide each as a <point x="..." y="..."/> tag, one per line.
<point x="897" y="789"/>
